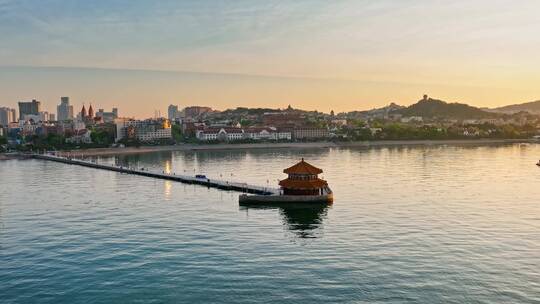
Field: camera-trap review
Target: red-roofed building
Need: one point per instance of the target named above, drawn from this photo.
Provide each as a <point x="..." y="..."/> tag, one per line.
<point x="303" y="180"/>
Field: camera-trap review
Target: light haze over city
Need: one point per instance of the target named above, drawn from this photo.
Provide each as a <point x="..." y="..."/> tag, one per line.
<point x="346" y="55"/>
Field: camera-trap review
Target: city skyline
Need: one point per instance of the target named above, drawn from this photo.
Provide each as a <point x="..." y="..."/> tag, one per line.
<point x="351" y="55"/>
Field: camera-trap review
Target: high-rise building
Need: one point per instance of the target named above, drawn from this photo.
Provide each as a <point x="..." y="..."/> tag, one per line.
<point x="172" y="112"/>
<point x="64" y="109"/>
<point x="7" y="115"/>
<point x="29" y="108"/>
<point x="14" y="115"/>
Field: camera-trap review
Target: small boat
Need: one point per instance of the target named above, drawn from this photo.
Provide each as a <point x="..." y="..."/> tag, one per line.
<point x="302" y="186"/>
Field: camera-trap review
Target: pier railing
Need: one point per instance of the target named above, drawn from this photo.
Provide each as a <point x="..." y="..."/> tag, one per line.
<point x="209" y="182"/>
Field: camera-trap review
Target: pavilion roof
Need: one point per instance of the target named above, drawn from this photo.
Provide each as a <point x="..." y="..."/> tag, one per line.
<point x="303" y="184"/>
<point x="303" y="168"/>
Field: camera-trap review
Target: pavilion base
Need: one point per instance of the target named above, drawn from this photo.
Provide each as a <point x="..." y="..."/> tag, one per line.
<point x="245" y="199"/>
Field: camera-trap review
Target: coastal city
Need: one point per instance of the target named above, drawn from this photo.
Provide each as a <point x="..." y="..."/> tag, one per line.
<point x="75" y="126"/>
<point x="261" y="152"/>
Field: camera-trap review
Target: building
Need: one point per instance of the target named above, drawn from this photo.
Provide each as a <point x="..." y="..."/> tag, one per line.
<point x="42" y="116"/>
<point x="278" y="119"/>
<point x="29" y="108"/>
<point x="303" y="180"/>
<point x="339" y="122"/>
<point x="107" y="116"/>
<point x="45" y="116"/>
<point x="221" y="134"/>
<point x="224" y="133"/>
<point x="82" y="114"/>
<point x="7" y="115"/>
<point x="143" y="130"/>
<point x="91" y="112"/>
<point x="266" y="133"/>
<point x="80" y="137"/>
<point x="412" y="119"/>
<point x="28" y="127"/>
<point x="64" y="110"/>
<point x="172" y="112"/>
<point x="310" y="133"/>
<point x="196" y="111"/>
<point x="88" y="117"/>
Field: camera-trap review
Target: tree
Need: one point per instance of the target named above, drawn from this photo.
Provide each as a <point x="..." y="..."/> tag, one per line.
<point x="102" y="137"/>
<point x="177" y="132"/>
<point x="246" y="122"/>
<point x="55" y="141"/>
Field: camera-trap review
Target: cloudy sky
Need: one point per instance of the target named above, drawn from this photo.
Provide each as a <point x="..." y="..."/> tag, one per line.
<point x="341" y="55"/>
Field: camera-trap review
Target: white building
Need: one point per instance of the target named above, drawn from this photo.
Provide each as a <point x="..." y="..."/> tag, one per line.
<point x="412" y="119"/>
<point x="223" y="134"/>
<point x="267" y="133"/>
<point x="234" y="134"/>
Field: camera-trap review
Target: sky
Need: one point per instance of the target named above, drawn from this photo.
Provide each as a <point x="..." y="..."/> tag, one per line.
<point x="141" y="56"/>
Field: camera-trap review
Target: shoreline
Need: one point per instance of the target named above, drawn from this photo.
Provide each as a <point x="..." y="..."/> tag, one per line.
<point x="291" y="145"/>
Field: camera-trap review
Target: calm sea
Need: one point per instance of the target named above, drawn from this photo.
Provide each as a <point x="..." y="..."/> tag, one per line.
<point x="437" y="224"/>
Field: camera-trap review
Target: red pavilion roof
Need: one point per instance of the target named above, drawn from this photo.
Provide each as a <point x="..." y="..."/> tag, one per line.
<point x="303" y="168"/>
<point x="303" y="184"/>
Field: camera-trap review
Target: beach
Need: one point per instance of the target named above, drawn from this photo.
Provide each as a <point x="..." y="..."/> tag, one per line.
<point x="291" y="145"/>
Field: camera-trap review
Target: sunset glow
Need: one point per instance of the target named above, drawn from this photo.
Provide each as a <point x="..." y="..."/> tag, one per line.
<point x="351" y="55"/>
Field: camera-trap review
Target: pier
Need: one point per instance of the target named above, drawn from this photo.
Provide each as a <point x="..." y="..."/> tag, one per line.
<point x="211" y="183"/>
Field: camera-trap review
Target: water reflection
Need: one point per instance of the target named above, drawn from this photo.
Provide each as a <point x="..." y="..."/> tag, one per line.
<point x="305" y="221"/>
<point x="167" y="166"/>
<point x="167" y="186"/>
<point x="161" y="160"/>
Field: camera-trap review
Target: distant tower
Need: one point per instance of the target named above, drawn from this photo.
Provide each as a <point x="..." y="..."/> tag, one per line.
<point x="83" y="112"/>
<point x="64" y="110"/>
<point x="91" y="112"/>
<point x="172" y="112"/>
<point x="332" y="113"/>
<point x="425" y="97"/>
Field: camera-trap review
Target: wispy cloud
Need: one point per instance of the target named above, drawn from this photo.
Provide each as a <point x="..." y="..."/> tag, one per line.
<point x="483" y="43"/>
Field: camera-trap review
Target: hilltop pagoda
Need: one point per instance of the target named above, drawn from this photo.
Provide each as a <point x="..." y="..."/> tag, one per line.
<point x="303" y="180"/>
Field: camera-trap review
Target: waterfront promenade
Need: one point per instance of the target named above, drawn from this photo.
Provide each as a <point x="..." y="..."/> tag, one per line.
<point x="211" y="183"/>
<point x="285" y="145"/>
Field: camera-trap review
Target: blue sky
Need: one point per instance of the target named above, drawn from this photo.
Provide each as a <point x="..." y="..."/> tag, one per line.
<point x="444" y="48"/>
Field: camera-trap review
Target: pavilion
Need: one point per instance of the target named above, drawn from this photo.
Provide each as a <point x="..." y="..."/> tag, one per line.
<point x="303" y="180"/>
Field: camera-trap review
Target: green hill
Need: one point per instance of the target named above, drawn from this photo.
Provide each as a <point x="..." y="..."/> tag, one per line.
<point x="531" y="107"/>
<point x="434" y="108"/>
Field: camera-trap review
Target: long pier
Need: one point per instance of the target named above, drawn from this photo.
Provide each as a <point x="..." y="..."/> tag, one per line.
<point x="211" y="183"/>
